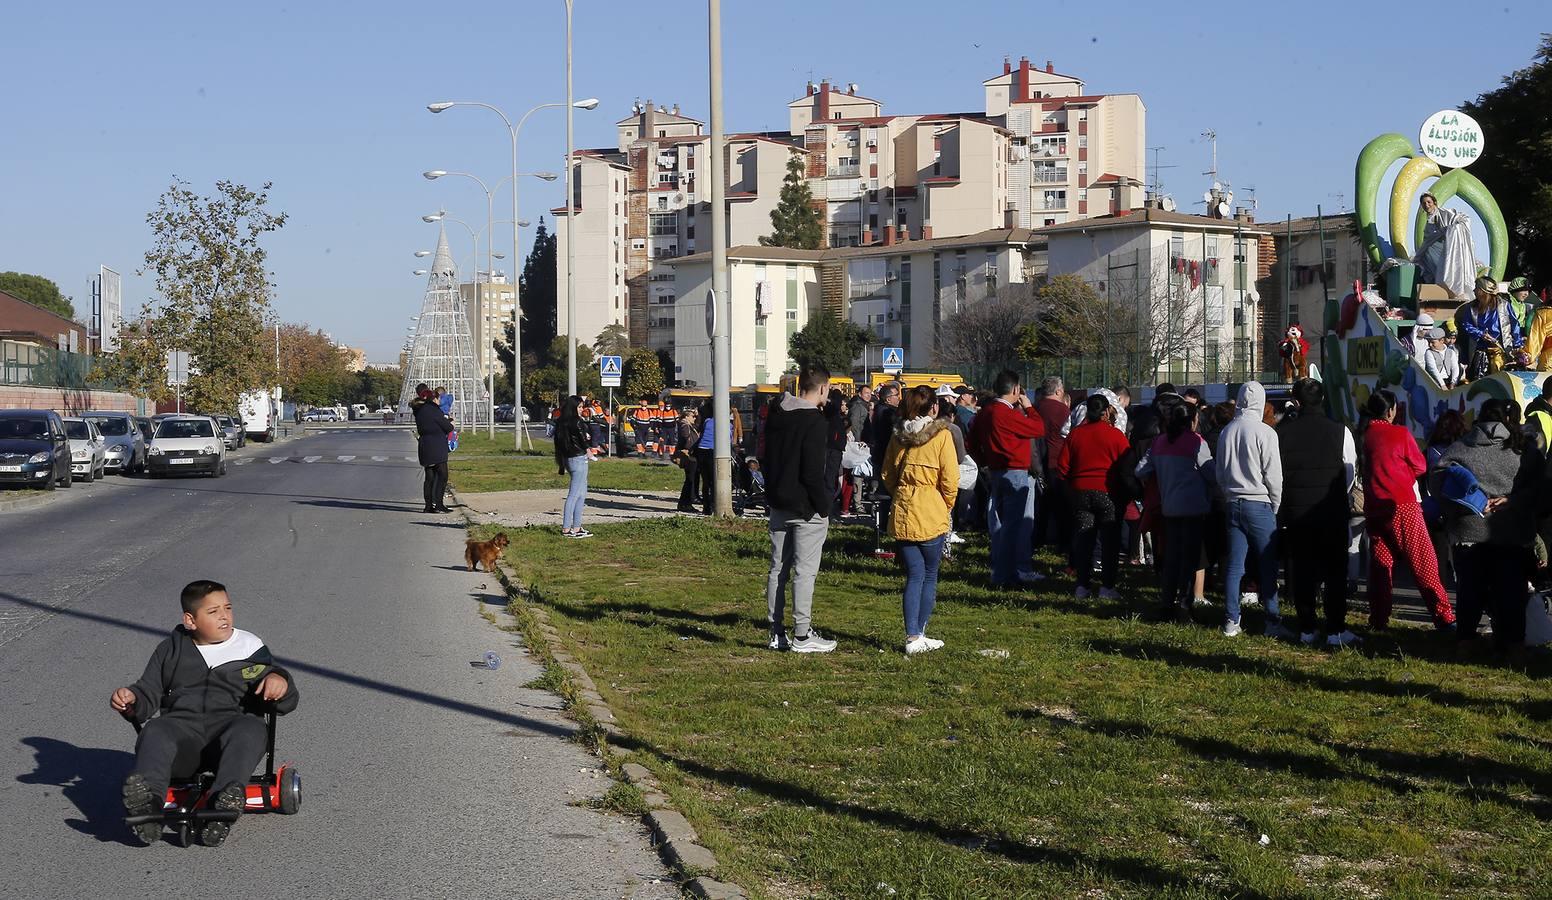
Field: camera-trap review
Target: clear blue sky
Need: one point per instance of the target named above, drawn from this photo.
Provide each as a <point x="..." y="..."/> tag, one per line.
<point x="109" y="101"/>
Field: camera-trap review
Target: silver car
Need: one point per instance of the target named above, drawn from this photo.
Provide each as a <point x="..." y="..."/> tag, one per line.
<point x="88" y="451"/>
<point x="126" y="442"/>
<point x="232" y="430"/>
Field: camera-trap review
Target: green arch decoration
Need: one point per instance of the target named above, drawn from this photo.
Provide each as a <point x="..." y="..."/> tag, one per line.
<point x="1463" y="184"/>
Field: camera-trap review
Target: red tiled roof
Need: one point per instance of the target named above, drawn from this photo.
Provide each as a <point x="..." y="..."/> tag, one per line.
<point x="1107" y="178"/>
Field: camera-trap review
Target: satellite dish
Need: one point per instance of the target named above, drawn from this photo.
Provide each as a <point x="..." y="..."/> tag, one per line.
<point x="1217" y="187"/>
<point x="1207" y="196"/>
<point x="1169" y="204"/>
<point x="1223" y="210"/>
<point x="678" y="198"/>
<point x="1228" y="197"/>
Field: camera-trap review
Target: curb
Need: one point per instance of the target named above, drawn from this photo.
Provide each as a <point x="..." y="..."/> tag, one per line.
<point x="39" y="499"/>
<point x="676" y="839"/>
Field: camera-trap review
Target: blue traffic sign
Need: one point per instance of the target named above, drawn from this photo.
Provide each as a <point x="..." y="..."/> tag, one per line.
<point x="893" y="359"/>
<point x="609" y="369"/>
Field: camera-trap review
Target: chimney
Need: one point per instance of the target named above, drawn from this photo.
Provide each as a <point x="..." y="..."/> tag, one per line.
<point x="648" y="121"/>
<point x="810" y="89"/>
<point x="676" y="109"/>
<point x="903" y="234"/>
<point x="1021" y="83"/>
<point x="889" y="235"/>
<point x="926" y="232"/>
<point x="1049" y="69"/>
<point x="867" y="236"/>
<point x="824" y="101"/>
<point x="1007" y="66"/>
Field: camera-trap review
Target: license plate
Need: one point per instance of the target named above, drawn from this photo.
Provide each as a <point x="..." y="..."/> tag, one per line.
<point x="10" y="468"/>
<point x="180" y="462"/>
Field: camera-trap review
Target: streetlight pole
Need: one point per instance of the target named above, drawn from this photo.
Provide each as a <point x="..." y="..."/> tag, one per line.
<point x="517" y="288"/>
<point x="571" y="214"/>
<point x="721" y="365"/>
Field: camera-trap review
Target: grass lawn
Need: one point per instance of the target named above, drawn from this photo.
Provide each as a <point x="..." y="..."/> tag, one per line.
<point x="1100" y="756"/>
<point x="483" y="464"/>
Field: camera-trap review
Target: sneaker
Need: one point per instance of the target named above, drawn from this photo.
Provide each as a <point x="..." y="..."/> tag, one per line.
<point x="1231" y="629"/>
<point x="812" y="642"/>
<point x="932" y="643"/>
<point x="779" y="641"/>
<point x="1308" y="638"/>
<point x="954" y="538"/>
<point x="1345" y="639"/>
<point x="231" y="799"/>
<point x="581" y="533"/>
<point x="1030" y="577"/>
<point x="914" y="647"/>
<point x="1250" y="598"/>
<point x="140" y="801"/>
<point x="1200" y="601"/>
<point x="1278" y="631"/>
<point x="1109" y="594"/>
<point x="1082" y="593"/>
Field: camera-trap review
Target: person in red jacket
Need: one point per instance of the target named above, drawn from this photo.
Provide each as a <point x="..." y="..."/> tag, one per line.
<point x="999" y="443"/>
<point x="1393" y="513"/>
<point x="1085" y="462"/>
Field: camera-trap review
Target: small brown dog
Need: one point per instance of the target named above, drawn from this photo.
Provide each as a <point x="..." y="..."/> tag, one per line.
<point x="485" y="552"/>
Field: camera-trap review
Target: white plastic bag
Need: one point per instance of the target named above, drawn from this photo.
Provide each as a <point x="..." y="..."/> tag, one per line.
<point x="968" y="473"/>
<point x="856" y="457"/>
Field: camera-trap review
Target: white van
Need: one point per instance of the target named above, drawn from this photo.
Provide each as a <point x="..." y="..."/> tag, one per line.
<point x="260" y="414"/>
<point x="359" y="411"/>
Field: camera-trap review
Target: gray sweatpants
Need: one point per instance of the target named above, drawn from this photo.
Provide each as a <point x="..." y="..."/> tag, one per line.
<point x="796" y="546"/>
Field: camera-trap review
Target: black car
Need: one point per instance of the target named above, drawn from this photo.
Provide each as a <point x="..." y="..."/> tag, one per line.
<point x="34" y="450"/>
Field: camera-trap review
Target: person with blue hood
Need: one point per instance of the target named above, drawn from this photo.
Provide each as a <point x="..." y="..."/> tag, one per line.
<point x="1489" y="541"/>
<point x="1249" y="470"/>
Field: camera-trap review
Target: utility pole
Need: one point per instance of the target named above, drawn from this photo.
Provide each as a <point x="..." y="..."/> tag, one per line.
<point x="571" y="244"/>
<point x="721" y="345"/>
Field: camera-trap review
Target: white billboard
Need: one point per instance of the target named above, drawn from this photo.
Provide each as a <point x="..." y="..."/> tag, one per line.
<point x="110" y="308"/>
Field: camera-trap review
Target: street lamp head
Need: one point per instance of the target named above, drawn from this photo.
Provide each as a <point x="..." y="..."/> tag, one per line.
<point x="420" y="271"/>
<point x="432" y="175"/>
<point x="547" y="176"/>
<point x="434" y="217"/>
<point x="438" y="107"/>
<point x="523" y="223"/>
<point x="589" y="103"/>
<point x="499" y="255"/>
<point x="422" y="254"/>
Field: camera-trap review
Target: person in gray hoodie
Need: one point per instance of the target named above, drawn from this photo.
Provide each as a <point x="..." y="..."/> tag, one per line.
<point x="1249" y="469"/>
<point x="1491" y="553"/>
<point x="800" y="499"/>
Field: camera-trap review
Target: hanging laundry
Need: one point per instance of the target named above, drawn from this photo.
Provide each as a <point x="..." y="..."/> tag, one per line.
<point x="1196" y="275"/>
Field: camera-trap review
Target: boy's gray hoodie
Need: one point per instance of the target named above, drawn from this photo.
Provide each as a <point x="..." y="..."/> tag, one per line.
<point x="1248" y="463"/>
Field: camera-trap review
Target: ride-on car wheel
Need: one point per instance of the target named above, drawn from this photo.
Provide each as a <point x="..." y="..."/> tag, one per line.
<point x="290" y="791"/>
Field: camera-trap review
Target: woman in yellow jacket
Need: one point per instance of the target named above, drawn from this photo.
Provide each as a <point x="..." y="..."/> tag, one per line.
<point x="921" y="473"/>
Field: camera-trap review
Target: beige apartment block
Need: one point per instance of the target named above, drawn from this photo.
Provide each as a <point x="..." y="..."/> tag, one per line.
<point x="1293" y="290"/>
<point x="489" y="304"/>
<point x="599" y="228"/>
<point x="1074" y="154"/>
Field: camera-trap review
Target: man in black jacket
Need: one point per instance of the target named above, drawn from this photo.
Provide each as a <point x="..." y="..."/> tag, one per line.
<point x="1318" y="457"/>
<point x="794" y="465"/>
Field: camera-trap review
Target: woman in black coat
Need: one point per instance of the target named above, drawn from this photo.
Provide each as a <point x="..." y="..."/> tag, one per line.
<point x="432" y="429"/>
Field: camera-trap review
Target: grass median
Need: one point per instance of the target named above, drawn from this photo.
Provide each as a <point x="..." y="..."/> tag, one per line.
<point x="1055" y="747"/>
<point x="484" y="464"/>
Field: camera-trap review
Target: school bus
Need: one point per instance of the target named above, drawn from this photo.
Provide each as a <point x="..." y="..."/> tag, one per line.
<point x="912" y="379"/>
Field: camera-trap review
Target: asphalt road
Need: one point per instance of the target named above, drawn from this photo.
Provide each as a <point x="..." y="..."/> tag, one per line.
<point x="421" y="775"/>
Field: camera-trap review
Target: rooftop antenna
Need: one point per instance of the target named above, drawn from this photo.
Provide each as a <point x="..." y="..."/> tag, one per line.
<point x="1212" y="136"/>
<point x="1341" y="200"/>
<point x="1158" y="183"/>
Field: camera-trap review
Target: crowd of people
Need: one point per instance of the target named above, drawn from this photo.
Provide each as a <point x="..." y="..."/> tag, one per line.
<point x="1260" y="500"/>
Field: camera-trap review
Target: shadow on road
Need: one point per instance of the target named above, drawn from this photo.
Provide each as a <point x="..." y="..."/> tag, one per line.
<point x="335" y="503"/>
<point x="90" y="778"/>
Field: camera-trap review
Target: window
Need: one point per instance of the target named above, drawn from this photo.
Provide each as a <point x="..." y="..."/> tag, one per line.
<point x="792" y="315"/>
<point x="662" y="203"/>
<point x="1055" y="200"/>
<point x="1241" y="250"/>
<point x="991" y="271"/>
<point x="663" y="224"/>
<point x="664" y="299"/>
<point x="671" y="179"/>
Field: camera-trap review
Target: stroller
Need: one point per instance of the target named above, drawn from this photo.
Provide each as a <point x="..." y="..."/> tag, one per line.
<point x="748" y="485"/>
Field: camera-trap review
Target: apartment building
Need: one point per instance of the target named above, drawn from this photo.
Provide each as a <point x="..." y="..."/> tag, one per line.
<point x="901" y="292"/>
<point x="1044" y="151"/>
<point x="1305" y="272"/>
<point x="488" y="303"/>
<point x="1191" y="279"/>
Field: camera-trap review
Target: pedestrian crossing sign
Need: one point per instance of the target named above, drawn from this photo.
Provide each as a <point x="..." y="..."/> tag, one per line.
<point x="609" y="369"/>
<point x="893" y="360"/>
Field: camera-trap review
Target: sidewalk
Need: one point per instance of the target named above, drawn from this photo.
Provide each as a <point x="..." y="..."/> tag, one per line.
<point x="519" y="509"/>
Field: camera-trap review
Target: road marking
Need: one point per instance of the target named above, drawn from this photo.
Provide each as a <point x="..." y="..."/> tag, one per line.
<point x="241" y="462"/>
<point x="379" y="459"/>
<point x="311" y="459"/>
<point x="277" y="459"/>
<point x="345" y="458"/>
<point x="409" y="459"/>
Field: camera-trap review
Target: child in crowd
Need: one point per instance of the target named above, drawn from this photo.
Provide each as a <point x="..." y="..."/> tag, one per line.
<point x="206" y="686"/>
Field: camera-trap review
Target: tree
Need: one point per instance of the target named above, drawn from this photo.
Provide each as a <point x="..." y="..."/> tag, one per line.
<point x="214" y="295"/>
<point x="795" y="222"/>
<point x="38" y="291"/>
<point x="987" y="332"/>
<point x="312" y="369"/>
<point x="538" y="294"/>
<point x="830" y="342"/>
<point x="544" y="380"/>
<point x="614" y="340"/>
<point x="1516" y="164"/>
<point x="643" y="374"/>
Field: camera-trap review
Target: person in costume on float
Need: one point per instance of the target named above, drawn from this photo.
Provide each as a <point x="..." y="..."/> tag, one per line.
<point x="1447" y="257"/>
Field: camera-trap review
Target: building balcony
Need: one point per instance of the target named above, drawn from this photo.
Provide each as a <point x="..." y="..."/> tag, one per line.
<point x="1051" y="176"/>
<point x="845" y="171"/>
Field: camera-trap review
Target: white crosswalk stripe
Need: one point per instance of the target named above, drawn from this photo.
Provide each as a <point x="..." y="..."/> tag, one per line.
<point x="277" y="459"/>
<point x="241" y="462"/>
<point x="379" y="459"/>
<point x="311" y="459"/>
<point x="409" y="459"/>
<point x="345" y="458"/>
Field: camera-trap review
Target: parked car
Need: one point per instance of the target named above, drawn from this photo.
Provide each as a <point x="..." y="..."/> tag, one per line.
<point x="358" y="411"/>
<point x="126" y="442"/>
<point x="88" y="451"/>
<point x="187" y="444"/>
<point x="322" y="414"/>
<point x="233" y="431"/>
<point x="147" y="431"/>
<point x="504" y="413"/>
<point x="33" y="449"/>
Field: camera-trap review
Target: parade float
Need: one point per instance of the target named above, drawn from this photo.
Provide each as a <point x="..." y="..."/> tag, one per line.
<point x="1427" y="265"/>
